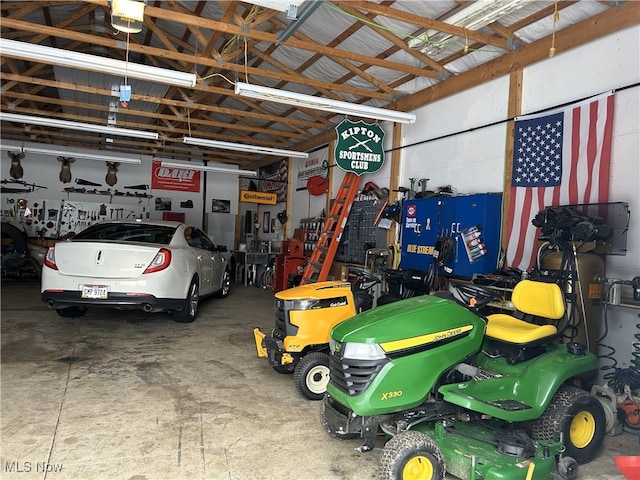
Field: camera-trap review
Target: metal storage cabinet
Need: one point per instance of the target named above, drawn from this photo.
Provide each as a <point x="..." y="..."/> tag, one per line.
<point x="419" y="232"/>
<point x="458" y="217"/>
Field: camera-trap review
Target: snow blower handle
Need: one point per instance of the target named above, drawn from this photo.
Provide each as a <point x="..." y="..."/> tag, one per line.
<point x="474" y="297"/>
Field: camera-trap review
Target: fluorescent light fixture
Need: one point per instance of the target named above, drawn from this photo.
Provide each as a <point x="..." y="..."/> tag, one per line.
<point x="88" y="127"/>
<point x="127" y="15"/>
<point x="472" y="16"/>
<point x="207" y="168"/>
<point x="81" y="155"/>
<point x="241" y="147"/>
<point x="319" y="103"/>
<point x="282" y="5"/>
<point x="70" y="153"/>
<point x="94" y="63"/>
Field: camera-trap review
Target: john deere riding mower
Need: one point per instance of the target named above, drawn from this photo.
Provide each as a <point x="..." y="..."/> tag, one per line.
<point x="451" y="390"/>
<point x="305" y="315"/>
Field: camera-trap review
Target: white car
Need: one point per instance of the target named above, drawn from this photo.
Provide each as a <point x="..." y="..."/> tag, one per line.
<point x="141" y="264"/>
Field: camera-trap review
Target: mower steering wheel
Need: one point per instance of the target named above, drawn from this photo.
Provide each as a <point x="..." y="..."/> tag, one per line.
<point x="475" y="297"/>
<point x="365" y="279"/>
<point x="391" y="273"/>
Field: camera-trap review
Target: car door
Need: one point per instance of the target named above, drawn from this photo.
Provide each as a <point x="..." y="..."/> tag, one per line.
<point x="203" y="255"/>
<point x="218" y="261"/>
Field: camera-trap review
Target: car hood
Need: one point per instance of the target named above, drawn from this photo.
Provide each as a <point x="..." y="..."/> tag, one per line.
<point x="104" y="259"/>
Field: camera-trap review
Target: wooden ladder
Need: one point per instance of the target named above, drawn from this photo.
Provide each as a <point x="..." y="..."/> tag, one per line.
<point x="319" y="264"/>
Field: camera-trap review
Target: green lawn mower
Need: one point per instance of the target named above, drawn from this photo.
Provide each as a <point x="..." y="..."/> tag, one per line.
<point x="452" y="390"/>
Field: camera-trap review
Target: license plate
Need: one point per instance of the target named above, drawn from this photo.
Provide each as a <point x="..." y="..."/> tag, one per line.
<point x="94" y="291"/>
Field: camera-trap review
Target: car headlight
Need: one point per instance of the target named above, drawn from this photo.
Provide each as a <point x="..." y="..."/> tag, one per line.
<point x="363" y="351"/>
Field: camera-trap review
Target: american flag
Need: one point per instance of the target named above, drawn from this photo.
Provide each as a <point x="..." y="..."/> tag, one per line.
<point x="559" y="158"/>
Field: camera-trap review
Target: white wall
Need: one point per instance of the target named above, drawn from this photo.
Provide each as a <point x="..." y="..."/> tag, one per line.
<point x="471" y="162"/>
<point x="302" y="204"/>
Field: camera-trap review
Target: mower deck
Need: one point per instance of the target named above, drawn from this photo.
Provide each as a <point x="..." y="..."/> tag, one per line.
<point x="471" y="451"/>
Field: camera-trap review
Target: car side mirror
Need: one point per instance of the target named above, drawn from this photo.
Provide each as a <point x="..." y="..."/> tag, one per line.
<point x="221" y="248"/>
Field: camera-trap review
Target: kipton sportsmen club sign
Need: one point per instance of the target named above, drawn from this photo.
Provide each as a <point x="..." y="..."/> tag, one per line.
<point x="359" y="147"/>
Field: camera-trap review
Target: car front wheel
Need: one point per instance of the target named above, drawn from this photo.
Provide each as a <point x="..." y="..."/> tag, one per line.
<point x="190" y="307"/>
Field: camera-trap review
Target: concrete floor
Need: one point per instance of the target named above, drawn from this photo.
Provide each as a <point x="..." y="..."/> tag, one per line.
<point x="134" y="396"/>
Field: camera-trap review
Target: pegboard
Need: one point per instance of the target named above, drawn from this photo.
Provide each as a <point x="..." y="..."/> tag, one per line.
<point x="360" y="233"/>
<point x="53" y="219"/>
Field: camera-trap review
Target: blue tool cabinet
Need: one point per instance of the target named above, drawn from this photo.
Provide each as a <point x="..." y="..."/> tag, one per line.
<point x="472" y="223"/>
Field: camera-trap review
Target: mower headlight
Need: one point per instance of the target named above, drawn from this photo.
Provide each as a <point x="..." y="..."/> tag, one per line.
<point x="306" y="304"/>
<point x="334" y="346"/>
<point x="363" y="351"/>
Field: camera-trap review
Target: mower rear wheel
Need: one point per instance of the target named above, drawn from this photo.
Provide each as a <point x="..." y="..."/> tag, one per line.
<point x="311" y="375"/>
<point x="579" y="417"/>
<point x="411" y="455"/>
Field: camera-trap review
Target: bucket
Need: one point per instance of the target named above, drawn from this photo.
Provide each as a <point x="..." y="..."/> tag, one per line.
<point x="629" y="466"/>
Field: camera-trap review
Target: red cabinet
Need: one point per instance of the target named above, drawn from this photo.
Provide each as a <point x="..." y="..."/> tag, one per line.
<point x="292" y="248"/>
<point x="284" y="266"/>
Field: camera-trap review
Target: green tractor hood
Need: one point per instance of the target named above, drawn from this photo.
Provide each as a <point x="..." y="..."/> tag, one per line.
<point x="421" y="337"/>
<point x="406" y="320"/>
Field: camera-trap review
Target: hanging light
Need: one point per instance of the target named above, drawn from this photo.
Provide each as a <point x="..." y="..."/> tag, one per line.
<point x="94" y="63"/>
<point x="127" y="15"/>
<point x="242" y="147"/>
<point x="319" y="103"/>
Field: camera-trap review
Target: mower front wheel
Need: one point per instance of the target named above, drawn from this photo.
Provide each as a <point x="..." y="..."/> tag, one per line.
<point x="567" y="468"/>
<point x="311" y="375"/>
<point x="578" y="417"/>
<point x="411" y="455"/>
<point x="283" y="368"/>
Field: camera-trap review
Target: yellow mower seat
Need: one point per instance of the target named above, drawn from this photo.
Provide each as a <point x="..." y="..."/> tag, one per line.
<point x="539" y="299"/>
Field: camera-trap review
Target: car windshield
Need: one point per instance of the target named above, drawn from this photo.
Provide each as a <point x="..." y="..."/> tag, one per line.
<point x="128" y="232"/>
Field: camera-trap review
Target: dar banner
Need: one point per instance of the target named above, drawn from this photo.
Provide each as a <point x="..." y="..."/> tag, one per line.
<point x="359" y="147"/>
<point x="174" y="178"/>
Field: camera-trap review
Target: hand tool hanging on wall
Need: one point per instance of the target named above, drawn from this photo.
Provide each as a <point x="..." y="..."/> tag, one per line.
<point x="81" y="181"/>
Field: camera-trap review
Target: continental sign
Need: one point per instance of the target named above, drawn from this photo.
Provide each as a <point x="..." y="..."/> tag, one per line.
<point x="258" y="197"/>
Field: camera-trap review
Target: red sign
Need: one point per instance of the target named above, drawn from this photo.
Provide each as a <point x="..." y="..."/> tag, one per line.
<point x="174" y="178"/>
<point x="411" y="210"/>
